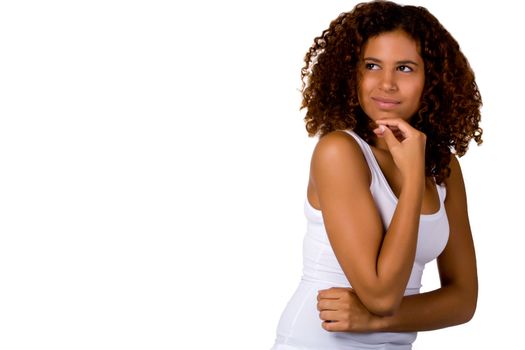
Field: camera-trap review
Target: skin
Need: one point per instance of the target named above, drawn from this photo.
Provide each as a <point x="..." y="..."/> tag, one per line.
<point x="390" y="87"/>
<point x="391" y="78"/>
<point x="452" y="304"/>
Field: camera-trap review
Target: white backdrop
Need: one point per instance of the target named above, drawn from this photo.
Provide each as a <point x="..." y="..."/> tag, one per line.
<point x="153" y="168"/>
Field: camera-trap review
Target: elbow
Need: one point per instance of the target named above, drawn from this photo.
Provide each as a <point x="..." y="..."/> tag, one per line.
<point x="469" y="311"/>
<point x="469" y="315"/>
<point x="382" y="306"/>
<point x="465" y="316"/>
<point x="382" y="311"/>
<point x="380" y="301"/>
<point x="471" y="302"/>
<point x="466" y="306"/>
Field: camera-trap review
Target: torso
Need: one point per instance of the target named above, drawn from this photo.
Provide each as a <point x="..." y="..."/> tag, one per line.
<point x="299" y="325"/>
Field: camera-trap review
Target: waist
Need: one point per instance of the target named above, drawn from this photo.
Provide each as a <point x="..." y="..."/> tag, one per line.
<point x="320" y="265"/>
<point x="320" y="283"/>
<point x="328" y="278"/>
<point x="300" y="326"/>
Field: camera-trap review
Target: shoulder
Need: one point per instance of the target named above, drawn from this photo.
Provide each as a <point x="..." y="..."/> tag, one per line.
<point x="339" y="153"/>
<point x="454" y="164"/>
<point x="337" y="144"/>
<point x="456" y="193"/>
<point x="456" y="177"/>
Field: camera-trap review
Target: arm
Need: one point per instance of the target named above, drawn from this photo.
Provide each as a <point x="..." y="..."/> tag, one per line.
<point x="455" y="302"/>
<point x="378" y="264"/>
<point x="452" y="304"/>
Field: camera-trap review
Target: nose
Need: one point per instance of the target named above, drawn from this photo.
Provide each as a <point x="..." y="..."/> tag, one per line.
<point x="388" y="81"/>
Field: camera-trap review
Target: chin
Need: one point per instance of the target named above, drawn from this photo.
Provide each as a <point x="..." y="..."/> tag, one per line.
<point x="378" y="116"/>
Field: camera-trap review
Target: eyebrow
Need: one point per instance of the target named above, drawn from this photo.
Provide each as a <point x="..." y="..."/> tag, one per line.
<point x="398" y="62"/>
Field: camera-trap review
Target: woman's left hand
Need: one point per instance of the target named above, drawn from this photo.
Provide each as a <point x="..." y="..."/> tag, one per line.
<point x="342" y="311"/>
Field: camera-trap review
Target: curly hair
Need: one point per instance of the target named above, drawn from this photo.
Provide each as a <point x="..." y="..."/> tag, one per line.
<point x="449" y="111"/>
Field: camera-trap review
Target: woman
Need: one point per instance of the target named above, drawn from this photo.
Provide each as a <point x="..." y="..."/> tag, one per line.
<point x="395" y="103"/>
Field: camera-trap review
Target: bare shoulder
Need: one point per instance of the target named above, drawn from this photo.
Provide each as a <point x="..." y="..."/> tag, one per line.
<point x="454" y="182"/>
<point x="337" y="159"/>
<point x="338" y="150"/>
<point x="455" y="168"/>
<point x="336" y="141"/>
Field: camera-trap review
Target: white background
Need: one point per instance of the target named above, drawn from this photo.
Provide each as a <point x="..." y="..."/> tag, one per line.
<point x="153" y="168"/>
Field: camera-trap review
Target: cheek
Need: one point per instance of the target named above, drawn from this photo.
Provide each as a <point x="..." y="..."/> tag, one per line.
<point x="416" y="91"/>
<point x="361" y="97"/>
<point x="367" y="82"/>
<point x="363" y="87"/>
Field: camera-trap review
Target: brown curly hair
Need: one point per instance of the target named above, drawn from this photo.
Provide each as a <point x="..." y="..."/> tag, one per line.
<point x="449" y="112"/>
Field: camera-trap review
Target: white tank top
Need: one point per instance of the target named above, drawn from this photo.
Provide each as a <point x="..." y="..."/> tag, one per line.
<point x="319" y="261"/>
<point x="300" y="326"/>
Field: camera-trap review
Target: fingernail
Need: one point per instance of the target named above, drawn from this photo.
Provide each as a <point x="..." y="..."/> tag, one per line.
<point x="380" y="129"/>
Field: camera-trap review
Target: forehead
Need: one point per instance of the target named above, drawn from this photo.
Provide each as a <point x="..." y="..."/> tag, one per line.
<point x="395" y="45"/>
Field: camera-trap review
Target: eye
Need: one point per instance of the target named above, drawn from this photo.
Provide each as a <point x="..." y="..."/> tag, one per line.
<point x="405" y="69"/>
<point x="371" y="66"/>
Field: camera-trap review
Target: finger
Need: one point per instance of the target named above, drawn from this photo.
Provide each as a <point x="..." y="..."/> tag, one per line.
<point x="326" y="304"/>
<point x="398" y="123"/>
<point x="388" y="135"/>
<point x="332" y="326"/>
<point x="395" y="130"/>
<point x="328" y="315"/>
<point x="323" y="294"/>
<point x="327" y="293"/>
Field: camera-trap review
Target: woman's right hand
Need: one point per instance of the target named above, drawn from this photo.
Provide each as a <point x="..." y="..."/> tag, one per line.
<point x="342" y="311"/>
<point x="406" y="145"/>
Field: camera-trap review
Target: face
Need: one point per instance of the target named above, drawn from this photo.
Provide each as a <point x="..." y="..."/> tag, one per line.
<point x="391" y="76"/>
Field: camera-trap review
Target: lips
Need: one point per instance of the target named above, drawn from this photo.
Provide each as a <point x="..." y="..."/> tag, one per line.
<point x="386" y="103"/>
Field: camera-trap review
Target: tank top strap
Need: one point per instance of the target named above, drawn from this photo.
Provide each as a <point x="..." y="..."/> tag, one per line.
<point x="442" y="192"/>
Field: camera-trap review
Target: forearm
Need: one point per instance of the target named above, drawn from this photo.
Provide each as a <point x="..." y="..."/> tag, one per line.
<point x="437" y="309"/>
<point x="397" y="252"/>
